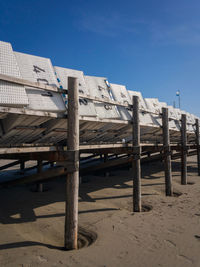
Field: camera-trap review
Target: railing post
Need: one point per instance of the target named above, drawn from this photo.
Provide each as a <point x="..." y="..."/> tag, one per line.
<point x="72" y="181"/>
<point x="137" y="207"/>
<point x="167" y="151"/>
<point x="183" y="150"/>
<point x="198" y="144"/>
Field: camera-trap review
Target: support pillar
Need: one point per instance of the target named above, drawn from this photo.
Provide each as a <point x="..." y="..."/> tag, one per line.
<point x="72" y="181"/>
<point x="137" y="206"/>
<point x="105" y="159"/>
<point x="167" y="156"/>
<point x="183" y="150"/>
<point x="198" y="144"/>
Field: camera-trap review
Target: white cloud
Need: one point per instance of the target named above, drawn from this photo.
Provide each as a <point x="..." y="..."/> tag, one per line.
<point x="157" y="31"/>
<point x="181" y="34"/>
<point x="111" y="26"/>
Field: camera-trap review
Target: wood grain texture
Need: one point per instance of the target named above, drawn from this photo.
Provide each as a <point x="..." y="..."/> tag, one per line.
<point x="183" y="150"/>
<point x="137" y="207"/>
<point x="198" y="143"/>
<point x="72" y="182"/>
<point x="167" y="156"/>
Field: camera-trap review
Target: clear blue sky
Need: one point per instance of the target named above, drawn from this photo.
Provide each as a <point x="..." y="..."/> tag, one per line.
<point x="152" y="46"/>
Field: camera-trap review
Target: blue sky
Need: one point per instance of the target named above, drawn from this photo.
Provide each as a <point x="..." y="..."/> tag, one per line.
<point x="152" y="46"/>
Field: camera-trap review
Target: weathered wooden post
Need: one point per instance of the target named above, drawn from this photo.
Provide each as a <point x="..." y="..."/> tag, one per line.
<point x="137" y="207"/>
<point x="198" y="144"/>
<point x="105" y="159"/>
<point x="22" y="166"/>
<point x="72" y="182"/>
<point x="167" y="150"/>
<point x="52" y="164"/>
<point x="39" y="170"/>
<point x="183" y="150"/>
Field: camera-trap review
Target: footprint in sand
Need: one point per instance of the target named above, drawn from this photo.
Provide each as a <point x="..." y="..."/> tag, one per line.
<point x="171" y="243"/>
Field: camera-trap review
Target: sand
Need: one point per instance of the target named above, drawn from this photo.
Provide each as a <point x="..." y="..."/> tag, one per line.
<point x="32" y="224"/>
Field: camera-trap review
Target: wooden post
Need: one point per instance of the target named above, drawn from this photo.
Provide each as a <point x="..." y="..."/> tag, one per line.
<point x="183" y="150"/>
<point x="137" y="207"/>
<point x="105" y="159"/>
<point x="167" y="156"/>
<point x="72" y="182"/>
<point x="52" y="164"/>
<point x="39" y="170"/>
<point x="198" y="144"/>
<point x="22" y="166"/>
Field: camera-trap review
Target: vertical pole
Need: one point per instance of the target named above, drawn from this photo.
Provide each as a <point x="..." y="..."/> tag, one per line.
<point x="39" y="170"/>
<point x="22" y="166"/>
<point x="105" y="159"/>
<point x="137" y="207"/>
<point x="198" y="144"/>
<point x="52" y="164"/>
<point x="183" y="150"/>
<point x="72" y="182"/>
<point x="167" y="156"/>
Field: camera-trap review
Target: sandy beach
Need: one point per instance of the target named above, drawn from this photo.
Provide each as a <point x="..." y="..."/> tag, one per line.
<point x="32" y="224"/>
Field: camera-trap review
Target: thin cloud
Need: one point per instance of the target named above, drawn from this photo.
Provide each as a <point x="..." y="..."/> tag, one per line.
<point x="111" y="26"/>
<point x="153" y="31"/>
<point x="181" y="34"/>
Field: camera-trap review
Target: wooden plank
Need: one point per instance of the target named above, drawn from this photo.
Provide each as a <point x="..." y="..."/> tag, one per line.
<point x="26" y="149"/>
<point x="35" y="85"/>
<point x="137" y="206"/>
<point x="198" y="144"/>
<point x="167" y="156"/>
<point x="48" y="155"/>
<point x="183" y="150"/>
<point x="72" y="181"/>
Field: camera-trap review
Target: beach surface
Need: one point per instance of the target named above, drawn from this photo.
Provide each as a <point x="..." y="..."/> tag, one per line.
<point x="32" y="223"/>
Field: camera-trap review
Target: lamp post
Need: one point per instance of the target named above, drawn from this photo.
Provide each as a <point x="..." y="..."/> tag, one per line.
<point x="179" y="98"/>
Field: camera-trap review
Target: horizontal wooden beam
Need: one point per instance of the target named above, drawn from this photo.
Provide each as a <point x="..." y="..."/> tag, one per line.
<point x="58" y="152"/>
<point x="58" y="171"/>
<point x="6" y="166"/>
<point x="35" y="85"/>
<point x="50" y="156"/>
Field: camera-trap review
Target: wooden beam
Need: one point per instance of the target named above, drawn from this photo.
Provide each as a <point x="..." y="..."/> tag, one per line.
<point x="137" y="206"/>
<point x="6" y="166"/>
<point x="167" y="156"/>
<point x="183" y="150"/>
<point x="35" y="85"/>
<point x="72" y="181"/>
<point x="50" y="156"/>
<point x="198" y="144"/>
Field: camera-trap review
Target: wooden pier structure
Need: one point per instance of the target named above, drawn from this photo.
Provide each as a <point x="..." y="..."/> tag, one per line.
<point x="67" y="155"/>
